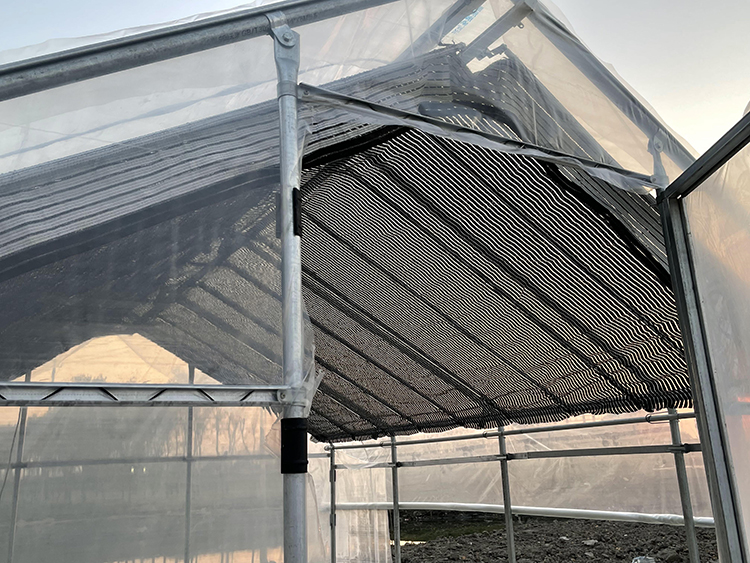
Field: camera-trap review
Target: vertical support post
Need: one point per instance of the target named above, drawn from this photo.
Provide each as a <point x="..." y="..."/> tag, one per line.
<point x="17" y="476"/>
<point x="189" y="470"/>
<point x="682" y="482"/>
<point x="332" y="478"/>
<point x="507" y="506"/>
<point x="705" y="399"/>
<point x="294" y="421"/>
<point x="396" y="515"/>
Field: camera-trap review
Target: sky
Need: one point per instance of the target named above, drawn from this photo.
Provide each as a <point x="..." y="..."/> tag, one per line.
<point x="689" y="59"/>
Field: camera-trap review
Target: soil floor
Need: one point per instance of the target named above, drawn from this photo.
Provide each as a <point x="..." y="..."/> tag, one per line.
<point x="480" y="538"/>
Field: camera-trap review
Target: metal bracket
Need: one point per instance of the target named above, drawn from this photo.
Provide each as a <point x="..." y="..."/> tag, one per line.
<point x="286" y="54"/>
<point x="291" y="397"/>
<point x="656" y="147"/>
<point x="490" y="53"/>
<point x="479" y="47"/>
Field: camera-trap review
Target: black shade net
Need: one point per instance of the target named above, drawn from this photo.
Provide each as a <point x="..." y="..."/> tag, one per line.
<point x="446" y="284"/>
<point x="450" y="285"/>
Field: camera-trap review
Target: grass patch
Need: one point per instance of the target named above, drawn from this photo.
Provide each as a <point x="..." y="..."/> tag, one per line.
<point x="431" y="525"/>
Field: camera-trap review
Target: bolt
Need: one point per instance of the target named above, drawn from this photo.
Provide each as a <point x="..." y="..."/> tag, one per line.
<point x="287" y="37"/>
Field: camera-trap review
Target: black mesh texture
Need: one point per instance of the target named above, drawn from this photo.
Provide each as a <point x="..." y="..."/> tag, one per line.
<point x="448" y="285"/>
<point x="453" y="285"/>
<point x="200" y="284"/>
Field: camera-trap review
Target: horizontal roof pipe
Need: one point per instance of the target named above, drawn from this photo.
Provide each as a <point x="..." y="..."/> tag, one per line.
<point x="634" y="181"/>
<point x="66" y="67"/>
<point x="74" y="65"/>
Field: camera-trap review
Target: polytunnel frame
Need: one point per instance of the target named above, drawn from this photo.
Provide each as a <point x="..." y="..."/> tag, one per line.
<point x="17" y="465"/>
<point x="677" y="448"/>
<point x="51" y="71"/>
<point x="716" y="451"/>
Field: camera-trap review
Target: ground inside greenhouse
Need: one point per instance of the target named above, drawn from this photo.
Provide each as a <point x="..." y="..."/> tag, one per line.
<point x="480" y="538"/>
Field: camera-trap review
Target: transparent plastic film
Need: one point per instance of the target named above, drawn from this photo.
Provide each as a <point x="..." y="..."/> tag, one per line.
<point x="179" y="484"/>
<point x="510" y="69"/>
<point x="156" y="252"/>
<point x="138" y="300"/>
<point x="718" y="212"/>
<point x="361" y="535"/>
<point x="640" y="484"/>
<point x="109" y="27"/>
<point x="462" y="483"/>
<point x="614" y="118"/>
<point x="644" y="484"/>
<point x="123" y="106"/>
<point x="120" y="109"/>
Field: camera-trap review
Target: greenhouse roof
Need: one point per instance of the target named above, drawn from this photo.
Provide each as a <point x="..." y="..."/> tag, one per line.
<point x="480" y="244"/>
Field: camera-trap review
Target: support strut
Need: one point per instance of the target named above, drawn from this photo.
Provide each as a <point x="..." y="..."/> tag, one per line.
<point x="508" y="510"/>
<point x="294" y="422"/>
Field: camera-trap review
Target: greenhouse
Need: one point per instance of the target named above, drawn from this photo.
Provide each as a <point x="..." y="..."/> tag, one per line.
<point x="270" y="274"/>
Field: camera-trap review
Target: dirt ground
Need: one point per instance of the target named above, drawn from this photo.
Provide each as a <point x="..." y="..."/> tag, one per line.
<point x="480" y="538"/>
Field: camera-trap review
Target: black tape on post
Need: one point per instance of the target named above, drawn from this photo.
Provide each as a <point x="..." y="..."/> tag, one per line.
<point x="293" y="445"/>
<point x="297" y="211"/>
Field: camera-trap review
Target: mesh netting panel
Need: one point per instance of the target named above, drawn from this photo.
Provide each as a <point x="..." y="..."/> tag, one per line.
<point x="186" y="278"/>
<point x="454" y="285"/>
<point x="448" y="284"/>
